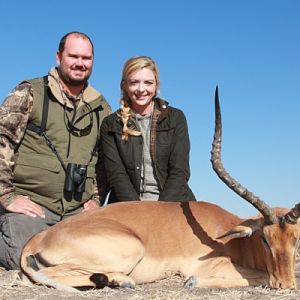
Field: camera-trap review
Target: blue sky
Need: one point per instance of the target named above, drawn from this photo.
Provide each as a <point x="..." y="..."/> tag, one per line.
<point x="250" y="49"/>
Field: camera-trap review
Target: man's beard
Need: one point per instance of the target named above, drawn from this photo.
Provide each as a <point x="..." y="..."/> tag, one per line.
<point x="71" y="81"/>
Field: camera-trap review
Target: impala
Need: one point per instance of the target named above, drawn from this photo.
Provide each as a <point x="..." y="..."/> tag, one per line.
<point x="130" y="243"/>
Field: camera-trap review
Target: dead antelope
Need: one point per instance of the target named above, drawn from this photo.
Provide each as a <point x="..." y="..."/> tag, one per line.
<point x="130" y="243"/>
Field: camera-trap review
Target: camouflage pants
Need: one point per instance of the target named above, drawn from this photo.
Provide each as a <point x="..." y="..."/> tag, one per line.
<point x="17" y="229"/>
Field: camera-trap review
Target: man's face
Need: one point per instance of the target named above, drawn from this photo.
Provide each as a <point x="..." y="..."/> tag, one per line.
<point x="75" y="61"/>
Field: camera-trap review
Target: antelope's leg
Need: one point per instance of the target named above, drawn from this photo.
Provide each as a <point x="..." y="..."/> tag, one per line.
<point x="220" y="272"/>
<point x="105" y="259"/>
<point x="78" y="277"/>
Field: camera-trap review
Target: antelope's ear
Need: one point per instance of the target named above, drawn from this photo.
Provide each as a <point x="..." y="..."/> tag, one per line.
<point x="244" y="229"/>
<point x="237" y="232"/>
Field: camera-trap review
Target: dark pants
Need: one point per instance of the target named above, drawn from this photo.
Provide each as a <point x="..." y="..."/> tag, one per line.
<point x="17" y="229"/>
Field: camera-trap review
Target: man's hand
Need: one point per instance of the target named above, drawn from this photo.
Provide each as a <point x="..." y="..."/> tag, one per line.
<point x="23" y="205"/>
<point x="91" y="204"/>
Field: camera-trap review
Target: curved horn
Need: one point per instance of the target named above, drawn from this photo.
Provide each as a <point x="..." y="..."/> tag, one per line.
<point x="293" y="215"/>
<point x="225" y="177"/>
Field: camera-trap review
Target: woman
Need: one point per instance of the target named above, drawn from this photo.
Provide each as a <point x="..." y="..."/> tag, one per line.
<point x="145" y="142"/>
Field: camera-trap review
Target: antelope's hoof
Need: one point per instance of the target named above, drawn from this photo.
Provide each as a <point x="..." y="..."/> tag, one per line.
<point x="127" y="285"/>
<point x="191" y="282"/>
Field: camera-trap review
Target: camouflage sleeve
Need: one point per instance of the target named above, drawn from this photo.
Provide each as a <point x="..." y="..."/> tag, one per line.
<point x="14" y="114"/>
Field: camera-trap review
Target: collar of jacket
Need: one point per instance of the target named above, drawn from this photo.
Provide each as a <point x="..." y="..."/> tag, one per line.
<point x="89" y="93"/>
<point x="160" y="111"/>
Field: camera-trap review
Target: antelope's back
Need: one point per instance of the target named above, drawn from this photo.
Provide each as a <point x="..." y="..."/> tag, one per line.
<point x="163" y="227"/>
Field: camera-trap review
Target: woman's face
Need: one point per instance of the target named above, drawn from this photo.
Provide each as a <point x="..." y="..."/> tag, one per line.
<point x="141" y="88"/>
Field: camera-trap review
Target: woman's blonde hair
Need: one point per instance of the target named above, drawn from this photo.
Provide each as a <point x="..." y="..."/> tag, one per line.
<point x="132" y="65"/>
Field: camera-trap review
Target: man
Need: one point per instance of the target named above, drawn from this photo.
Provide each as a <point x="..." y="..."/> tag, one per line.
<point x="49" y="148"/>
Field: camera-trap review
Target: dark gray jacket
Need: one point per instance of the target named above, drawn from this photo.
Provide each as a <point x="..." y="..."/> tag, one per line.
<point x="169" y="148"/>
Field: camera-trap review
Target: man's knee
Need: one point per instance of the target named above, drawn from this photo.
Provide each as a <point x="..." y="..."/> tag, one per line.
<point x="16" y="230"/>
<point x="9" y="256"/>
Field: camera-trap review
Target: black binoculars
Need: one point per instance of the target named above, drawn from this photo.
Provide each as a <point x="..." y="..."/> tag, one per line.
<point x="75" y="178"/>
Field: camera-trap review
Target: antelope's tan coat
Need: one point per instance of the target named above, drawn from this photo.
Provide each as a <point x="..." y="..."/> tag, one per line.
<point x="130" y="243"/>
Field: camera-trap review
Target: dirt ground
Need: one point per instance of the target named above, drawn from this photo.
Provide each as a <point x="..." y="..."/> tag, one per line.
<point x="168" y="289"/>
